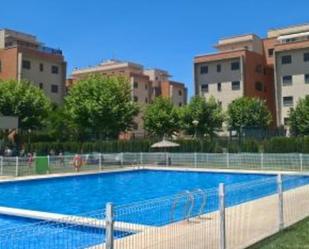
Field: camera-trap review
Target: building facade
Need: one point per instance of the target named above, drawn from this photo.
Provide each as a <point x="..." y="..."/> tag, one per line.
<point x="22" y="56"/>
<point x="145" y="85"/>
<point x="275" y="69"/>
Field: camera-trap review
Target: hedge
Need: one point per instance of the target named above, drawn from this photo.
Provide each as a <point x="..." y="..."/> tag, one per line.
<point x="218" y="145"/>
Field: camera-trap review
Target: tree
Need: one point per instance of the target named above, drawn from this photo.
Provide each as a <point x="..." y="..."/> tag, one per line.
<point x="58" y="125"/>
<point x="161" y="117"/>
<point x="101" y="106"/>
<point x="26" y="101"/>
<point x="201" y="116"/>
<point x="248" y="112"/>
<point x="299" y="118"/>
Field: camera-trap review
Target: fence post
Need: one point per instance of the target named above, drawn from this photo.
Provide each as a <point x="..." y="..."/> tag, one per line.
<point x="195" y="159"/>
<point x="1" y="165"/>
<point x="166" y="159"/>
<point x="141" y="158"/>
<point x="109" y="226"/>
<point x="280" y="202"/>
<point x="48" y="160"/>
<point x="227" y="160"/>
<point x="121" y="158"/>
<point x="17" y="166"/>
<point x="301" y="161"/>
<point x="262" y="160"/>
<point x="222" y="215"/>
<point x="100" y="161"/>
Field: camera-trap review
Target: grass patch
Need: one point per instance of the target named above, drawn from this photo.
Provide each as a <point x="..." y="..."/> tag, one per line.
<point x="294" y="237"/>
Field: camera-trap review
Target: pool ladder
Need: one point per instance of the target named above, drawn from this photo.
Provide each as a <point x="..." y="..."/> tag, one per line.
<point x="190" y="200"/>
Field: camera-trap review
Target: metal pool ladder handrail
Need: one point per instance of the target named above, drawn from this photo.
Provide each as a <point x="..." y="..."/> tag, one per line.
<point x="188" y="207"/>
<point x="203" y="204"/>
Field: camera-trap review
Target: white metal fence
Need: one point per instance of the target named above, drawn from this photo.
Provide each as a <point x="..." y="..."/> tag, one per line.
<point x="232" y="216"/>
<point x="21" y="166"/>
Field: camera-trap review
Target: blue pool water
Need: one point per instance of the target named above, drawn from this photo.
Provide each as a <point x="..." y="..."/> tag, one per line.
<point x="81" y="194"/>
<point x="46" y="235"/>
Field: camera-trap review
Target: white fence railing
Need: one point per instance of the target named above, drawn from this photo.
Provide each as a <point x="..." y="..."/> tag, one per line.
<point x="21" y="166"/>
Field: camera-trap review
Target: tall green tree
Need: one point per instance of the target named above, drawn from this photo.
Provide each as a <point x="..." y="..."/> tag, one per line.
<point x="299" y="118"/>
<point x="161" y="117"/>
<point x="247" y="112"/>
<point x="201" y="116"/>
<point x="26" y="101"/>
<point x="101" y="106"/>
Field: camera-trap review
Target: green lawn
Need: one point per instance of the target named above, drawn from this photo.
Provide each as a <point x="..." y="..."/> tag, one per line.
<point x="294" y="237"/>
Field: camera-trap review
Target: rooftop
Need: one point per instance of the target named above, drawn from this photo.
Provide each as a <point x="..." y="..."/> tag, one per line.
<point x="237" y="39"/>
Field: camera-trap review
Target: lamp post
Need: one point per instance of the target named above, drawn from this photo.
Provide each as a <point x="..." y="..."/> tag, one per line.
<point x="195" y="124"/>
<point x="29" y="133"/>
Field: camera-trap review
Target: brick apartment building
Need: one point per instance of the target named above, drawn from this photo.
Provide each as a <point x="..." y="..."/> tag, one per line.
<point x="275" y="69"/>
<point x="22" y="56"/>
<point x="146" y="84"/>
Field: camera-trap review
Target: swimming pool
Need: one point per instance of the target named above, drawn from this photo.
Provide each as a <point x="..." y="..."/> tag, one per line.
<point x="74" y="195"/>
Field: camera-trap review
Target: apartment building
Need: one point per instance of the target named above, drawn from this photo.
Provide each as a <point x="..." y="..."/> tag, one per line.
<point x="275" y="69"/>
<point x="22" y="56"/>
<point x="291" y="65"/>
<point x="163" y="86"/>
<point x="145" y="85"/>
<point x="238" y="69"/>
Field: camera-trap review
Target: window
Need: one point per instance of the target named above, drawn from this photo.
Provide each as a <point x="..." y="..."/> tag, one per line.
<point x="54" y="88"/>
<point x="287" y="80"/>
<point x="288" y="101"/>
<point x="135" y="126"/>
<point x="306" y="57"/>
<point x="286" y="121"/>
<point x="219" y="87"/>
<point x="146" y="86"/>
<point x="204" y="69"/>
<point x="220" y="103"/>
<point x="235" y="66"/>
<point x="235" y="85"/>
<point x="270" y="52"/>
<point x="204" y="88"/>
<point x="41" y="85"/>
<point x="219" y="68"/>
<point x="307" y="78"/>
<point x="259" y="68"/>
<point x="135" y="98"/>
<point x="286" y="59"/>
<point x="180" y="93"/>
<point x="146" y="100"/>
<point x="135" y="84"/>
<point x="54" y="69"/>
<point x="259" y="86"/>
<point x="179" y="104"/>
<point x="26" y="64"/>
<point x="41" y="67"/>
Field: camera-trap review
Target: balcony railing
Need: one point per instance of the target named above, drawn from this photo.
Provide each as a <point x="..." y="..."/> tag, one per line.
<point x="51" y="50"/>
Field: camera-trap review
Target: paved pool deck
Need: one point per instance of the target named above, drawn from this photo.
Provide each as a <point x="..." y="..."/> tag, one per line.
<point x="246" y="224"/>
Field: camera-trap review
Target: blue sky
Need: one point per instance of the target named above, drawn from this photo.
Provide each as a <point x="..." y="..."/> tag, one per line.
<point x="163" y="33"/>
